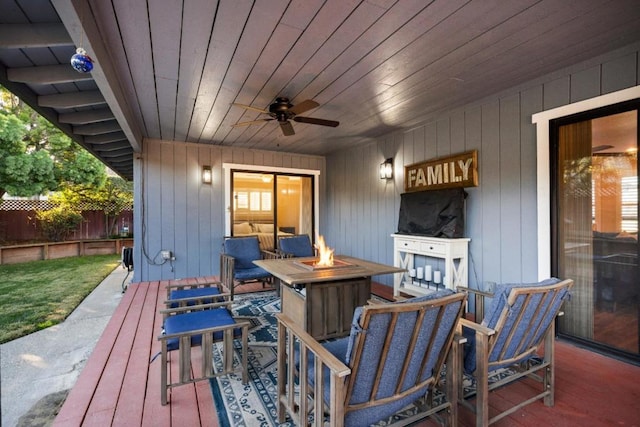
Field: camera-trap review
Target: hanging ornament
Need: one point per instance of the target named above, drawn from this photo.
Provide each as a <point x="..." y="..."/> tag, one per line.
<point x="81" y="62"/>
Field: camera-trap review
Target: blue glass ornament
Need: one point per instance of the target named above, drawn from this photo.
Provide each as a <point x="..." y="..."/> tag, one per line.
<point x="81" y="62"/>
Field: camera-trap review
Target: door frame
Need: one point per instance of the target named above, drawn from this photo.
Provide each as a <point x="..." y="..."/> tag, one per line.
<point x="542" y="120"/>
<point x="228" y="167"/>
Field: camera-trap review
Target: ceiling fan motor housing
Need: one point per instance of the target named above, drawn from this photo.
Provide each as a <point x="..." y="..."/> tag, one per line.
<point x="280" y="109"/>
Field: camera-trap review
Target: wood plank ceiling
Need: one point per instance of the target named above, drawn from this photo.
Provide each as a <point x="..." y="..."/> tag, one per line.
<point x="172" y="69"/>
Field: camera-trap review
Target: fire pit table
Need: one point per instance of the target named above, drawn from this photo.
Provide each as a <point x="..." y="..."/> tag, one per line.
<point x="323" y="298"/>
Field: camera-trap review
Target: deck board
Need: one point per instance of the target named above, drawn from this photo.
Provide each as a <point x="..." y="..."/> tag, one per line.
<point x="118" y="385"/>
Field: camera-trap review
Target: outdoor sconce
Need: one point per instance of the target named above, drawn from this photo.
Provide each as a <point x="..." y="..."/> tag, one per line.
<point x="206" y="174"/>
<point x="386" y="169"/>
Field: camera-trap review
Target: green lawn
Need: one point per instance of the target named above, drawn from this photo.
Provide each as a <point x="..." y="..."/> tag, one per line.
<point x="39" y="294"/>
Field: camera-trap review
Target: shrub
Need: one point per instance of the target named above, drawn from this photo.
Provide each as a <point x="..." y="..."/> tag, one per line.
<point x="58" y="222"/>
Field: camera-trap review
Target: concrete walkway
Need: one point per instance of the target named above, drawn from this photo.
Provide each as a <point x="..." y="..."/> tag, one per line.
<point x="48" y="362"/>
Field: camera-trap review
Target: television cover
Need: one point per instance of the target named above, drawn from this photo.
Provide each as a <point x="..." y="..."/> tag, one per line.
<point x="435" y="213"/>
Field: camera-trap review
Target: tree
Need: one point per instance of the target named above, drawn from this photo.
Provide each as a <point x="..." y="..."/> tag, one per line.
<point x="36" y="157"/>
<point x="113" y="197"/>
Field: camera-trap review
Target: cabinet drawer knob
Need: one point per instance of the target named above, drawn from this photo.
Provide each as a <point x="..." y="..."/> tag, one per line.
<point x="430" y="248"/>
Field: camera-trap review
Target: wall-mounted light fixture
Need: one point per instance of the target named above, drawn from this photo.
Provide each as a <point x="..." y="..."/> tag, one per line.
<point x="386" y="169"/>
<point x="206" y="174"/>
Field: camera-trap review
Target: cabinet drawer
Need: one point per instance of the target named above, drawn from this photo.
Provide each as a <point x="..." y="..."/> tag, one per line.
<point x="433" y="248"/>
<point x="411" y="245"/>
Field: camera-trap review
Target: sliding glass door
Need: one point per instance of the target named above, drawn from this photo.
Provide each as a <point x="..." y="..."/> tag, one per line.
<point x="595" y="226"/>
<point x="270" y="205"/>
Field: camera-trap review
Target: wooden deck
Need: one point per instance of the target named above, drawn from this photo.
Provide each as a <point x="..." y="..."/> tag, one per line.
<point x="119" y="387"/>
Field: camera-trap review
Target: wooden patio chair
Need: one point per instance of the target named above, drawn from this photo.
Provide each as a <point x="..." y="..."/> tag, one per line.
<point x="393" y="357"/>
<point x="200" y="325"/>
<point x="520" y="319"/>
<point x="236" y="263"/>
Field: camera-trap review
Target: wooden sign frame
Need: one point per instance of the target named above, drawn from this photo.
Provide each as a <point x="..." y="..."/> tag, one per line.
<point x="459" y="170"/>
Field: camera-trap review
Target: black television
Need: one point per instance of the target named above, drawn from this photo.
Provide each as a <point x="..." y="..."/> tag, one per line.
<point x="434" y="213"/>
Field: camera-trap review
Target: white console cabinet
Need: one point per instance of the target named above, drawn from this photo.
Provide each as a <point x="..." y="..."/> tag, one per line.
<point x="432" y="251"/>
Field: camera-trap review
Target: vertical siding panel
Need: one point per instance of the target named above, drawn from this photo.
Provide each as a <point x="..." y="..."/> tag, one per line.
<point x="431" y="141"/>
<point x="473" y="208"/>
<point x="489" y="159"/>
<point x="193" y="207"/>
<point x="167" y="197"/>
<point x="531" y="102"/>
<point x="556" y="93"/>
<point x="510" y="213"/>
<point x="419" y="144"/>
<point x="585" y="84"/>
<point x="457" y="133"/>
<point x="152" y="233"/>
<point x="443" y="138"/>
<point x="181" y="214"/>
<point x="619" y="73"/>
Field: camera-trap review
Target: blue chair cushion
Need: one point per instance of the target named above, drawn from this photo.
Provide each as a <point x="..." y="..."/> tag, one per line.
<point x="194" y="293"/>
<point x="195" y="320"/>
<point x="245" y="250"/>
<point x="298" y="246"/>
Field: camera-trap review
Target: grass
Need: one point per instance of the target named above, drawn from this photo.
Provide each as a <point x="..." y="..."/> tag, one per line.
<point x="39" y="294"/>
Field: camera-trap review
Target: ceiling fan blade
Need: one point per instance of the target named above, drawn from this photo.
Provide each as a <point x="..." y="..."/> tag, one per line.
<point x="304" y="106"/>
<point x="314" y="121"/>
<point x="252" y="122"/>
<point x="287" y="128"/>
<point x="249" y="107"/>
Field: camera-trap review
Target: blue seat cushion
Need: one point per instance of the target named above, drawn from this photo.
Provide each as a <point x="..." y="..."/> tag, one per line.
<point x="194" y="293"/>
<point x="245" y="250"/>
<point x="196" y="320"/>
<point x="298" y="246"/>
<point x="252" y="273"/>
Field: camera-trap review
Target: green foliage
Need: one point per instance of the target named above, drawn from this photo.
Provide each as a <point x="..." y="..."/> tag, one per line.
<point x="111" y="198"/>
<point x="39" y="294"/>
<point x="58" y="222"/>
<point x="36" y="157"/>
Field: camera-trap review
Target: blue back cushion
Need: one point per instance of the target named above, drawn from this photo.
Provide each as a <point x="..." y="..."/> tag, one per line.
<point x="245" y="250"/>
<point x="298" y="246"/>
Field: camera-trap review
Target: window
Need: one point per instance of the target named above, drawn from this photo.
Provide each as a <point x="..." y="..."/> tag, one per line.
<point x="629" y="195"/>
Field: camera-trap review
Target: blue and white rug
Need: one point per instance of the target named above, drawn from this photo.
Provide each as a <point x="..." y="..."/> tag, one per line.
<point x="255" y="404"/>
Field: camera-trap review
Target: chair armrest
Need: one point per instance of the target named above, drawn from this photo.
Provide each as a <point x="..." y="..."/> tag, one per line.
<point x="176" y="310"/>
<point x="275" y="254"/>
<point x="202" y="331"/>
<point x="321" y="353"/>
<point x="215" y="283"/>
<point x="477" y="327"/>
<point x="475" y="291"/>
<point x="223" y="298"/>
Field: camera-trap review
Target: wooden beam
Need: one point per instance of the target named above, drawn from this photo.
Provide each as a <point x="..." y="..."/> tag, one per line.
<point x="111" y="146"/>
<point x="85" y="117"/>
<point x="24" y="36"/>
<point x="97" y="128"/>
<point x="105" y="138"/>
<point x="47" y="74"/>
<point x="72" y="100"/>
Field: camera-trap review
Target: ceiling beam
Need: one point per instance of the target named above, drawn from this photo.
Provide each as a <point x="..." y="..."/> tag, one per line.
<point x="97" y="128"/>
<point x="46" y="74"/>
<point x="105" y="138"/>
<point x="72" y="100"/>
<point x="116" y="153"/>
<point x="79" y="21"/>
<point x="111" y="146"/>
<point x="24" y="36"/>
<point x="84" y="117"/>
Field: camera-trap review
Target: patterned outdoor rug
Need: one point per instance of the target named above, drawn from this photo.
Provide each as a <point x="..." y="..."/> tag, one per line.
<point x="255" y="404"/>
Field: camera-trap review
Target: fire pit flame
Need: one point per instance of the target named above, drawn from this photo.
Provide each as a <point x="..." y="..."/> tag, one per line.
<point x="325" y="253"/>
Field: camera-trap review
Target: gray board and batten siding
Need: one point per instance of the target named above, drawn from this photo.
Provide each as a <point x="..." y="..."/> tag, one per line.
<point x="358" y="210"/>
<point x="501" y="220"/>
<point x="185" y="216"/>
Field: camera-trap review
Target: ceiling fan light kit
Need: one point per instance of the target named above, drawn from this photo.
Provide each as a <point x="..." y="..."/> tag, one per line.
<point x="282" y="111"/>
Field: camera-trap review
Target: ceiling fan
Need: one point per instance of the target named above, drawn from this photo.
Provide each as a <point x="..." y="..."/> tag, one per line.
<point x="283" y="111"/>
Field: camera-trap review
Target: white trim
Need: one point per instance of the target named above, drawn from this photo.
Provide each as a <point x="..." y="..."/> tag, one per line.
<point x="542" y="120"/>
<point x="227" y="167"/>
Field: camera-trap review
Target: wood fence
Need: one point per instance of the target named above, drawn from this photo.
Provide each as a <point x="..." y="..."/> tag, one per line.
<point x="39" y="251"/>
